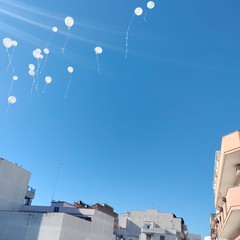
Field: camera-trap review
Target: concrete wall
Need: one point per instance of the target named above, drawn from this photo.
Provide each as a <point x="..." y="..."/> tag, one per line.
<point x="101" y="228"/>
<point x="13" y="185"/>
<point x="163" y="220"/>
<point x="54" y="226"/>
<point x="30" y="226"/>
<point x="132" y="222"/>
<point x="19" y="226"/>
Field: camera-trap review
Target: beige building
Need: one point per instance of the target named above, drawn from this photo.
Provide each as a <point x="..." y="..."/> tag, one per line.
<point x="225" y="222"/>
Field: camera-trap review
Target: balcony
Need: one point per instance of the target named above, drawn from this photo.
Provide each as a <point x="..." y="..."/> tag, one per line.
<point x="225" y="175"/>
<point x="30" y="193"/>
<point x="227" y="220"/>
<point x="29" y="196"/>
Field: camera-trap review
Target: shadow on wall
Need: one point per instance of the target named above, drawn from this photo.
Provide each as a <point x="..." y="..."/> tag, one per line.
<point x="133" y="229"/>
<point x="19" y="225"/>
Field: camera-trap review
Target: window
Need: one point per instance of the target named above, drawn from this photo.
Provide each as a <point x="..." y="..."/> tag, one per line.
<point x="56" y="209"/>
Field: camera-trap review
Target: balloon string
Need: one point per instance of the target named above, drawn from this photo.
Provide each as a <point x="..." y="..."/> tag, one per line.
<point x="37" y="72"/>
<point x="98" y="66"/>
<point x="144" y="17"/>
<point x="33" y="83"/>
<point x="7" y="108"/>
<point x="10" y="60"/>
<point x="10" y="89"/>
<point x="50" y="38"/>
<point x="127" y="33"/>
<point x="9" y="93"/>
<point x="65" y="44"/>
<point x="44" y="63"/>
<point x="43" y="91"/>
<point x="66" y="93"/>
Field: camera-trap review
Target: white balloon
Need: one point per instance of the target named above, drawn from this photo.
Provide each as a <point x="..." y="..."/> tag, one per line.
<point x="46" y="50"/>
<point x="48" y="79"/>
<point x="31" y="72"/>
<point x="38" y="50"/>
<point x="7" y="42"/>
<point x="70" y="69"/>
<point x="138" y="11"/>
<point x="150" y="4"/>
<point x="41" y="56"/>
<point x="69" y="21"/>
<point x="98" y="50"/>
<point x="31" y="66"/>
<point x="14" y="43"/>
<point x="15" y="78"/>
<point x="54" y="29"/>
<point x="37" y="53"/>
<point x="12" y="99"/>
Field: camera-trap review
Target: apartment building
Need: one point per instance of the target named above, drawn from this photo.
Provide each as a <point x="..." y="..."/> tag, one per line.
<point x="225" y="222"/>
<point x="150" y="225"/>
<point x="19" y="220"/>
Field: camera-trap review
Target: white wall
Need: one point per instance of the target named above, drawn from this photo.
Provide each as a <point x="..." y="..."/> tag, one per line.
<point x="54" y="226"/>
<point x="132" y="222"/>
<point x="13" y="185"/>
<point x="163" y="220"/>
<point x="19" y="226"/>
<point x="100" y="228"/>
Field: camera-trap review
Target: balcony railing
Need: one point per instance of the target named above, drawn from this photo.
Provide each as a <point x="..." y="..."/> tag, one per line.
<point x="230" y="203"/>
<point x="30" y="193"/>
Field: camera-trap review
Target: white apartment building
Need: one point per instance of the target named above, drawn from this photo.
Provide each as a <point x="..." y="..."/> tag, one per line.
<point x="13" y="185"/>
<point x="60" y="221"/>
<point x="150" y="225"/>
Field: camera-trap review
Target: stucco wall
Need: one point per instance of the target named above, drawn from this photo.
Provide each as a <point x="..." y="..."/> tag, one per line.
<point x="132" y="222"/>
<point x="19" y="226"/>
<point x="54" y="226"/>
<point x="13" y="185"/>
<point x="164" y="220"/>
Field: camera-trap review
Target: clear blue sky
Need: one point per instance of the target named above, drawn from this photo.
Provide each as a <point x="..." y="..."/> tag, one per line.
<point x="142" y="133"/>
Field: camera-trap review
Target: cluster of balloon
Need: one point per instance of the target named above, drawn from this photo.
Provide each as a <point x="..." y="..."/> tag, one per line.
<point x="31" y="71"/>
<point x="69" y="23"/>
<point x="48" y="80"/>
<point x="9" y="43"/>
<point x="37" y="53"/>
<point x="98" y="50"/>
<point x="70" y="71"/>
<point x="150" y="5"/>
<point x="138" y="12"/>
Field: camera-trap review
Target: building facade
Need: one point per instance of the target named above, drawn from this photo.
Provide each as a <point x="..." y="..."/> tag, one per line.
<point x="14" y="182"/>
<point x="150" y="225"/>
<point x="225" y="222"/>
<point x="19" y="220"/>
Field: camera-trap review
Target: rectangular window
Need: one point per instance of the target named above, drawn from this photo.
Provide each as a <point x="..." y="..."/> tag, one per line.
<point x="56" y="209"/>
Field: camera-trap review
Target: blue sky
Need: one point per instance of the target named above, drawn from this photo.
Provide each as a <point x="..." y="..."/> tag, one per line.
<point x="143" y="132"/>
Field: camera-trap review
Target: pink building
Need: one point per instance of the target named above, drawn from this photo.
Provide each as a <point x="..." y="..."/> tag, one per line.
<point x="225" y="223"/>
